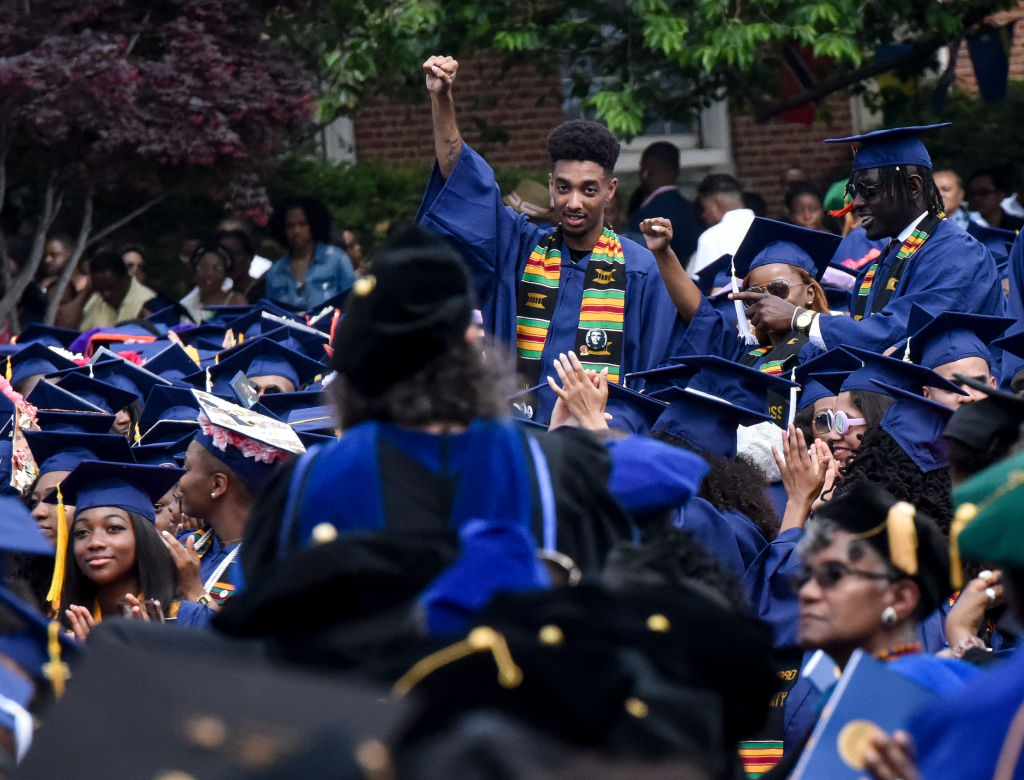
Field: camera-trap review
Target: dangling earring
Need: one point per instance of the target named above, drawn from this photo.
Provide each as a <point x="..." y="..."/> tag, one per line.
<point x="889" y="617"/>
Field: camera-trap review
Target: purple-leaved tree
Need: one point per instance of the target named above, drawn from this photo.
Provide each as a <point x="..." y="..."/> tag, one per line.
<point x="138" y="96"/>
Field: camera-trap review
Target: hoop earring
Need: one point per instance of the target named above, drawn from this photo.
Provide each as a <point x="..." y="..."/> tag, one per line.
<point x="889" y="617"/>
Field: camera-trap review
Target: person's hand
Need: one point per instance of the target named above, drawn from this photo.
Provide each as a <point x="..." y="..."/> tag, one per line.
<point x="186" y="561"/>
<point x="657" y="233"/>
<point x="976" y="597"/>
<point x="831" y="473"/>
<point x="583" y="393"/>
<point x="138" y="609"/>
<point x="81" y="621"/>
<point x="768" y="312"/>
<point x="802" y="468"/>
<point x="189" y="523"/>
<point x="440" y="73"/>
<point x="892" y="757"/>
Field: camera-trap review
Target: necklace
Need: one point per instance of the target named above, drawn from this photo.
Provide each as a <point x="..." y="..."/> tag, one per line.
<point x="909" y="648"/>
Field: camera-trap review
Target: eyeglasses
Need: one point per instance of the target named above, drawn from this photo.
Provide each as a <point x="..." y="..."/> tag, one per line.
<point x="866" y="191"/>
<point x="830" y="573"/>
<point x="778" y="287"/>
<point x="839" y="422"/>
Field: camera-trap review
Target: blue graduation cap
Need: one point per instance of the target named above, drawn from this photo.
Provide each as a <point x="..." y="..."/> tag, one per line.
<point x="131" y="487"/>
<point x="709" y="274"/>
<point x="836" y="360"/>
<point x="998" y="241"/>
<point x="169" y="404"/>
<point x="74" y="422"/>
<point x="32" y="360"/>
<point x="937" y="339"/>
<point x="47" y="395"/>
<point x="47" y="335"/>
<point x="632" y="411"/>
<point x="279" y="404"/>
<point x="917" y="424"/>
<point x="18" y="530"/>
<point x="769" y="241"/>
<point x="262" y="357"/>
<point x="58" y="451"/>
<point x="172" y="363"/>
<point x="127" y="376"/>
<point x="727" y="379"/>
<point x="258" y="320"/>
<point x="206" y="336"/>
<point x="171" y="315"/>
<point x="648" y="475"/>
<point x="106" y="397"/>
<point x="28" y="646"/>
<point x="168" y="453"/>
<point x="310" y="439"/>
<point x="706" y="423"/>
<point x="894" y="146"/>
<point x="884" y="371"/>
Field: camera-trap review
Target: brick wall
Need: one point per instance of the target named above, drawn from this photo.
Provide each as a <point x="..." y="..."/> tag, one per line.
<point x="763" y="152"/>
<point x="523" y="104"/>
<point x="965" y="78"/>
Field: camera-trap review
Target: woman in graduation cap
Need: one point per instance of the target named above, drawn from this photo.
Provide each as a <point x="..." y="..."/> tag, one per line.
<point x="774" y="257"/>
<point x="114" y="553"/>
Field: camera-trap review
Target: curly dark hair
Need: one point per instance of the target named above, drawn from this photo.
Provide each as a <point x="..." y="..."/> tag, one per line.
<point x="895" y="180"/>
<point x="458" y="386"/>
<point x="585" y="140"/>
<point x="316" y="212"/>
<point x="733" y="483"/>
<point x="156" y="570"/>
<point x="881" y="461"/>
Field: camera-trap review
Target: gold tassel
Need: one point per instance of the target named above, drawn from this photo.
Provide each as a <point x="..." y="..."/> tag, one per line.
<point x="7" y="371"/>
<point x="193" y="353"/>
<point x="902" y="537"/>
<point x="57" y="582"/>
<point x="481" y="639"/>
<point x="138" y="435"/>
<point x="965" y="513"/>
<point x="56" y="671"/>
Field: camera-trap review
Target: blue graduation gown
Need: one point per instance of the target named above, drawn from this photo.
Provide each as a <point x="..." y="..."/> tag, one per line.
<point x="196" y="615"/>
<point x="496" y="242"/>
<point x="1015" y="308"/>
<point x="962" y="735"/>
<point x="767" y="585"/>
<point x="952" y="271"/>
<point x="730" y="536"/>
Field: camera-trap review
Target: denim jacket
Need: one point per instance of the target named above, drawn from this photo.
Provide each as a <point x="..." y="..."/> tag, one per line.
<point x="329" y="274"/>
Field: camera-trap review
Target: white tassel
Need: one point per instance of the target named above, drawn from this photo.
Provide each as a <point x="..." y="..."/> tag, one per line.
<point x="792" y="399"/>
<point x="741" y="316"/>
<point x="209" y="381"/>
<point x="906" y="352"/>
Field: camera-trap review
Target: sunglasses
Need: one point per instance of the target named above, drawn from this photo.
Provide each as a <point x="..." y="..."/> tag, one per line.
<point x="830" y="573"/>
<point x="866" y="191"/>
<point x="839" y="422"/>
<point x="779" y="288"/>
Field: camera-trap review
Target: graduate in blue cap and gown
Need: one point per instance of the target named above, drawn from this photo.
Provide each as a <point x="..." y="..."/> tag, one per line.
<point x="784" y="260"/>
<point x="930" y="261"/>
<point x="114" y="552"/>
<point x="26" y="367"/>
<point x="270" y="365"/>
<point x="581" y="288"/>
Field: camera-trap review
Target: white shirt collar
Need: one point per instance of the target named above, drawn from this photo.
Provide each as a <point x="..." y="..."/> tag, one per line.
<point x="910" y="228"/>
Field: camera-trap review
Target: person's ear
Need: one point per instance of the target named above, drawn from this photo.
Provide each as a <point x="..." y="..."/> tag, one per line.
<point x="915" y="183"/>
<point x="612" y="185"/>
<point x="906" y="595"/>
<point x="218" y="484"/>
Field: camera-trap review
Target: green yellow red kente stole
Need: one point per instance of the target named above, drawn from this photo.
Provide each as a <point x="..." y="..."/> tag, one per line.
<point x="914" y="242"/>
<point x="599" y="331"/>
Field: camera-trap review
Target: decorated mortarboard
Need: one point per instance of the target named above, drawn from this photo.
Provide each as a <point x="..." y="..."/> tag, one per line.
<point x="128" y="486"/>
<point x="105" y="396"/>
<point x="51" y="397"/>
<point x="648" y="475"/>
<point x="768" y="241"/>
<point x="632" y="411"/>
<point x="893" y="146"/>
<point x="249" y="443"/>
<point x="882" y="371"/>
<point x="32" y="360"/>
<point x="172" y="363"/>
<point x="910" y="540"/>
<point x="836" y="361"/>
<point x="260" y="357"/>
<point x="74" y="422"/>
<point x="47" y="335"/>
<point x="986" y="522"/>
<point x="997" y="241"/>
<point x="709" y="274"/>
<point x="938" y="339"/>
<point x="63" y="451"/>
<point x="916" y="424"/>
<point x="706" y="423"/>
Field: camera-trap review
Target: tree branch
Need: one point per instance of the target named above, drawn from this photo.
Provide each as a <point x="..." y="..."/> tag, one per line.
<point x="120" y="223"/>
<point x="919" y="51"/>
<point x="56" y="293"/>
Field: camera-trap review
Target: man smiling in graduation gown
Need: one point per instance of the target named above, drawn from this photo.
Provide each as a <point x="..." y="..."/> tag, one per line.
<point x="930" y="261"/>
<point x="579" y="287"/>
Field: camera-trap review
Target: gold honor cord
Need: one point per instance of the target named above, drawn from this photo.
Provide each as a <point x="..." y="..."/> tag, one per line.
<point x="482" y="639"/>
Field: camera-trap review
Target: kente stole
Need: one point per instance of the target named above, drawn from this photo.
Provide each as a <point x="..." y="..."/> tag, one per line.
<point x="777" y="361"/>
<point x="599" y="332"/>
<point x="914" y="242"/>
